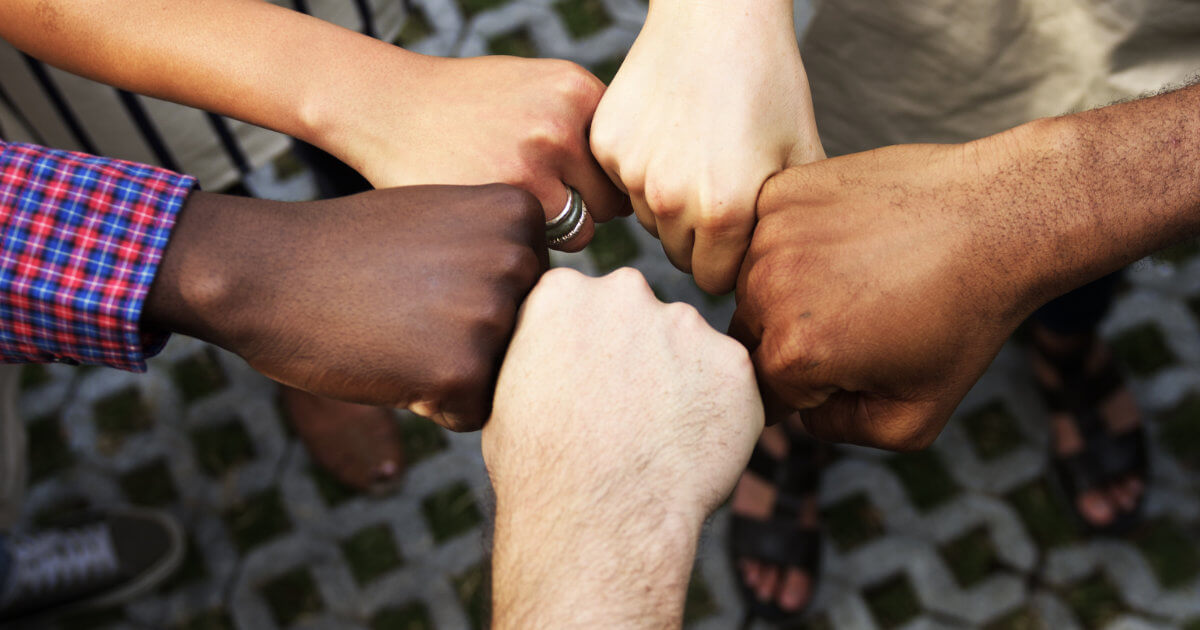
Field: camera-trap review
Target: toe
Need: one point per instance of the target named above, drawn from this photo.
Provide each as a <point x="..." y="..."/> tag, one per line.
<point x="768" y="583"/>
<point x="1095" y="508"/>
<point x="794" y="594"/>
<point x="751" y="572"/>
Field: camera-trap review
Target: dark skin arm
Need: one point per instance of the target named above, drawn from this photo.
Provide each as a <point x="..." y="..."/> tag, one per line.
<point x="403" y="297"/>
<point x="879" y="286"/>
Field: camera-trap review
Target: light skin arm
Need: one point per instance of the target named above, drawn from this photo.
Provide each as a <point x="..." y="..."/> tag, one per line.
<point x="397" y="117"/>
<point x="604" y="479"/>
<point x="880" y="285"/>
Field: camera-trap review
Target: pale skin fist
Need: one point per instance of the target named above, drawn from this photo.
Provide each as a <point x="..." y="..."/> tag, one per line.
<point x="879" y="287"/>
<point x="711" y="101"/>
<point x="522" y="122"/>
<point x="609" y="400"/>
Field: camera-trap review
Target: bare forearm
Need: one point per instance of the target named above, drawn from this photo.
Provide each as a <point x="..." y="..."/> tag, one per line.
<point x="1086" y="194"/>
<point x="551" y="570"/>
<point x="244" y="58"/>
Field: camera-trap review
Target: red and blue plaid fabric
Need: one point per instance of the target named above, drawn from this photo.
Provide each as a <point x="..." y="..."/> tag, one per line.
<point x="80" y="241"/>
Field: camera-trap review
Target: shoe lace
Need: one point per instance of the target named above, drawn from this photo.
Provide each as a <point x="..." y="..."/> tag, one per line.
<point x="50" y="560"/>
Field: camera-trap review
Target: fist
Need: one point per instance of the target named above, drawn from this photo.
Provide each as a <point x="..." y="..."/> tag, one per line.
<point x="711" y="101"/>
<point x="632" y="402"/>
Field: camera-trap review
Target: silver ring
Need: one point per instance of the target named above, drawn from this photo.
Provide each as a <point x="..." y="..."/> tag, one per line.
<point x="569" y="223"/>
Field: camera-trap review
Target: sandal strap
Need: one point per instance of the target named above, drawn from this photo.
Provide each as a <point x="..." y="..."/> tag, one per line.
<point x="1079" y="389"/>
<point x="1106" y="457"/>
<point x="778" y="541"/>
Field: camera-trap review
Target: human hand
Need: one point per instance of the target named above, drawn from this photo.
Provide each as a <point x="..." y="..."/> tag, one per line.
<point x="604" y="469"/>
<point x="711" y="101"/>
<point x="401" y="297"/>
<point x="475" y="121"/>
<point x="879" y="286"/>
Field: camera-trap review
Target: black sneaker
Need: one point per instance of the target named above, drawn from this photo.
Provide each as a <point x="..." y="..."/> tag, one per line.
<point x="105" y="561"/>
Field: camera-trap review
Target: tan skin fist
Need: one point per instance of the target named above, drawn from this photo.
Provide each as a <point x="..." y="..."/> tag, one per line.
<point x="879" y="286"/>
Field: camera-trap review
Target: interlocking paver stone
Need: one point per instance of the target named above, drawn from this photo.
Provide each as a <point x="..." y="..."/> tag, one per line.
<point x="970" y="534"/>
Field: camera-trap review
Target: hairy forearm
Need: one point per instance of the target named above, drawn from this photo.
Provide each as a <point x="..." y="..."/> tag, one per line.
<point x="562" y="566"/>
<point x="248" y="59"/>
<point x="1086" y="194"/>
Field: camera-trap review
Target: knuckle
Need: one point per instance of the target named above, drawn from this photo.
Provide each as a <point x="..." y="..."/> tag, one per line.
<point x="629" y="279"/>
<point x="513" y="204"/>
<point x="666" y="200"/>
<point x="575" y="84"/>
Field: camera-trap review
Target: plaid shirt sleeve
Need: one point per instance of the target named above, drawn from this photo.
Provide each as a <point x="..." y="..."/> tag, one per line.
<point x="82" y="237"/>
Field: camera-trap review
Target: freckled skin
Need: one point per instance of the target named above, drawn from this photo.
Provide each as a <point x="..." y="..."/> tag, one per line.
<point x="911" y="265"/>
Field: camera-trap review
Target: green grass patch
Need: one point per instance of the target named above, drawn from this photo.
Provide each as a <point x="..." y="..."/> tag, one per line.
<point x="257" y="520"/>
<point x="924" y="477"/>
<point x="613" y="246"/>
<point x="422" y="438"/>
<point x="893" y="603"/>
<point x="330" y="488"/>
<point x="1143" y="349"/>
<point x="149" y="485"/>
<point x="451" y="512"/>
<point x="223" y="447"/>
<point x="413" y="616"/>
<point x="1023" y="619"/>
<point x="1170" y="553"/>
<point x="1095" y="601"/>
<point x="472" y="7"/>
<point x="292" y="596"/>
<point x="473" y="593"/>
<point x="518" y="44"/>
<point x="198" y="376"/>
<point x="583" y="17"/>
<point x="852" y="522"/>
<point x="971" y="557"/>
<point x="699" y="603"/>
<point x="119" y="416"/>
<point x="1044" y="516"/>
<point x="48" y="449"/>
<point x="416" y="28"/>
<point x="370" y="553"/>
<point x="992" y="430"/>
<point x="606" y="71"/>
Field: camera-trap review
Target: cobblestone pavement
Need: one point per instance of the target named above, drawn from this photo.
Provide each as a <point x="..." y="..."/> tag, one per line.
<point x="967" y="534"/>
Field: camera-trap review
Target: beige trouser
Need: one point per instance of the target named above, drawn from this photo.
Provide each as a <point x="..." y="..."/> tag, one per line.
<point x="12" y="448"/>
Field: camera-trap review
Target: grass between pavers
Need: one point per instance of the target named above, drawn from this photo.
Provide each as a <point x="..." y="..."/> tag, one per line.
<point x="47" y="448"/>
<point x="191" y="570"/>
<point x="1179" y="254"/>
<point x="992" y="430"/>
<point x="892" y="602"/>
<point x="1143" y="349"/>
<point x="924" y="477"/>
<point x="1023" y="619"/>
<point x="334" y="492"/>
<point x="211" y="620"/>
<point x="1192" y="625"/>
<point x="1170" y="552"/>
<point x="416" y="28"/>
<point x="222" y="447"/>
<point x="606" y="71"/>
<point x="1179" y="430"/>
<point x="291" y="596"/>
<point x="518" y="43"/>
<point x="471" y="7"/>
<point x="257" y="519"/>
<point x="1044" y="516"/>
<point x="370" y="553"/>
<point x="450" y="512"/>
<point x="198" y="375"/>
<point x="473" y="589"/>
<point x="698" y="603"/>
<point x="1095" y="601"/>
<point x="422" y="438"/>
<point x="33" y="376"/>
<point x="852" y="522"/>
<point x="414" y="616"/>
<point x="613" y="246"/>
<point x="583" y="17"/>
<point x="149" y="484"/>
<point x="971" y="557"/>
<point x="119" y="416"/>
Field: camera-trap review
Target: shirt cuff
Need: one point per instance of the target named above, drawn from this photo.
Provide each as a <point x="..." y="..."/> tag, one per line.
<point x="82" y="240"/>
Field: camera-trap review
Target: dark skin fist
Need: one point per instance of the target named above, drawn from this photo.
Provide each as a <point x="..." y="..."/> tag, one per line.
<point x="405" y="297"/>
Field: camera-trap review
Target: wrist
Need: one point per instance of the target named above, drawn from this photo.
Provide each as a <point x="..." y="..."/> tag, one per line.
<point x="590" y="568"/>
<point x="354" y="115"/>
<point x="202" y="281"/>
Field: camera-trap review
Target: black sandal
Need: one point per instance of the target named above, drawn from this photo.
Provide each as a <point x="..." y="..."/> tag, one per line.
<point x="1106" y="458"/>
<point x="781" y="539"/>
